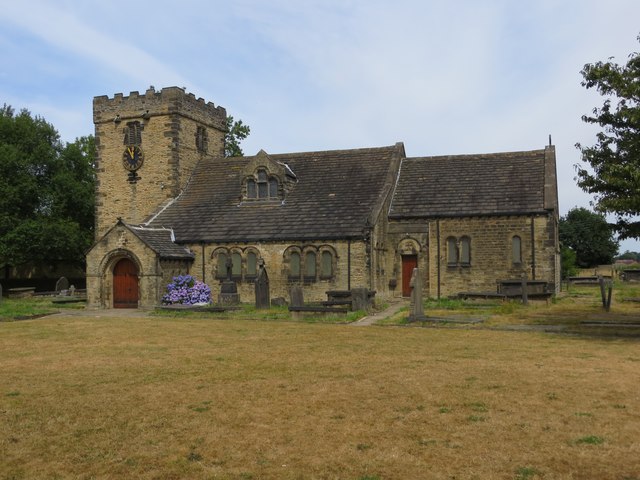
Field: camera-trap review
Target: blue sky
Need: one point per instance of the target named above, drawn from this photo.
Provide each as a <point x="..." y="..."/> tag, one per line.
<point x="444" y="77"/>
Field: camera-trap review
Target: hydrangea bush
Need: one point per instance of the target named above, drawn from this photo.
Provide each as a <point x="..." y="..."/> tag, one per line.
<point x="186" y="290"/>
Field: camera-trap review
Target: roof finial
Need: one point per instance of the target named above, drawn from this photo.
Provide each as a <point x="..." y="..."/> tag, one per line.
<point x="550" y="140"/>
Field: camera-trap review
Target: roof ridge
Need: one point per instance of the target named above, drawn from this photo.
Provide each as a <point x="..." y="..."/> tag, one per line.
<point x="520" y="153"/>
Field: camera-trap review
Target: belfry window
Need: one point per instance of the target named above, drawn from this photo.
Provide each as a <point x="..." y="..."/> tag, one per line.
<point x="202" y="140"/>
<point x="133" y="133"/>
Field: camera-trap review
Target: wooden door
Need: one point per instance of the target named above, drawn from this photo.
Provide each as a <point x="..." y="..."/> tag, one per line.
<point x="409" y="262"/>
<point x="125" y="284"/>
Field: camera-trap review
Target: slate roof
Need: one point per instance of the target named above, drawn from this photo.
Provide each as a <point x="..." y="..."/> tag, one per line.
<point x="335" y="195"/>
<point x="470" y="185"/>
<point x="160" y="241"/>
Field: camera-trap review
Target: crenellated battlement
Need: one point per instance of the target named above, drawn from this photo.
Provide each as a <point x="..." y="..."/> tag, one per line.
<point x="169" y="100"/>
<point x="174" y="131"/>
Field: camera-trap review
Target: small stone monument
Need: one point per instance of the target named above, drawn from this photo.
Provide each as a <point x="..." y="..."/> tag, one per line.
<point x="416" y="309"/>
<point x="62" y="284"/>
<point x="262" y="286"/>
<point x="229" y="291"/>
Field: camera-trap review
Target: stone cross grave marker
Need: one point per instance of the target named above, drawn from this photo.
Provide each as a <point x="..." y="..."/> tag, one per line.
<point x="262" y="286"/>
<point x="229" y="290"/>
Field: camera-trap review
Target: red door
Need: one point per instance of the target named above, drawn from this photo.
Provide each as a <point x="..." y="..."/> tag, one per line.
<point x="125" y="284"/>
<point x="409" y="262"/>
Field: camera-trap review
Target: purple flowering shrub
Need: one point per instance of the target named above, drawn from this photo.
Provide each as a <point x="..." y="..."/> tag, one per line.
<point x="184" y="289"/>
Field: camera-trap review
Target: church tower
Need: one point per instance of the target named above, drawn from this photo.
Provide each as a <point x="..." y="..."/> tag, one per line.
<point x="147" y="147"/>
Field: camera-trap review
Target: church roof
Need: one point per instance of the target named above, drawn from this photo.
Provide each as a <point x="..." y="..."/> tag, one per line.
<point x="470" y="185"/>
<point x="330" y="195"/>
<point x="160" y="240"/>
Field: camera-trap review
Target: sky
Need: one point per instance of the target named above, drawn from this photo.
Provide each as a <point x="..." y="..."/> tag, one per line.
<point x="443" y="77"/>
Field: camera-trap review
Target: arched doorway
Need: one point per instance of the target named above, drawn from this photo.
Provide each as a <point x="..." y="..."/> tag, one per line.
<point x="409" y="262"/>
<point x="125" y="284"/>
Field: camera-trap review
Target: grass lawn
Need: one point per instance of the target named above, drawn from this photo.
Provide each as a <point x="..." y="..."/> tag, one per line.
<point x="166" y="397"/>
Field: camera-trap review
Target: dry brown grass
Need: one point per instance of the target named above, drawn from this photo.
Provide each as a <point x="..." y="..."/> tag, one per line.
<point x="88" y="397"/>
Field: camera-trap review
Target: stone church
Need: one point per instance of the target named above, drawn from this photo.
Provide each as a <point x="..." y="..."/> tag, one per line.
<point x="169" y="203"/>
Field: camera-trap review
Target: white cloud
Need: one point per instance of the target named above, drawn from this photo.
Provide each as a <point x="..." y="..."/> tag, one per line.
<point x="61" y="28"/>
<point x="444" y="77"/>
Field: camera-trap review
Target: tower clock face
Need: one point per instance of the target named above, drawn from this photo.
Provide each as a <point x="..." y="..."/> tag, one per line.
<point x="132" y="158"/>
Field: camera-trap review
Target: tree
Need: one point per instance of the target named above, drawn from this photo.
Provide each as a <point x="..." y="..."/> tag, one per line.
<point x="568" y="266"/>
<point x="614" y="177"/>
<point x="590" y="236"/>
<point x="236" y="132"/>
<point x="627" y="255"/>
<point x="46" y="192"/>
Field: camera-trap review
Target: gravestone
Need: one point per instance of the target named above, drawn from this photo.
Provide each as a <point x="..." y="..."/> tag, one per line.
<point x="360" y="299"/>
<point x="62" y="284"/>
<point x="262" y="286"/>
<point x="297" y="298"/>
<point x="279" y="302"/>
<point x="72" y="290"/>
<point x="229" y="290"/>
<point x="416" y="309"/>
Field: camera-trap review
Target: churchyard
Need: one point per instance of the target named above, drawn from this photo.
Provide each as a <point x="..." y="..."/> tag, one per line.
<point x="251" y="394"/>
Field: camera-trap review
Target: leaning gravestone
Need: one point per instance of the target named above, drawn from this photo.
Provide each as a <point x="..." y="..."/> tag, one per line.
<point x="262" y="287"/>
<point x="416" y="309"/>
<point x="62" y="284"/>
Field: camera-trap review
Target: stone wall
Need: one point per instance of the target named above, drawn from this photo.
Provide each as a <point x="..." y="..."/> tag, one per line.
<point x="121" y="243"/>
<point x="169" y="121"/>
<point x="491" y="257"/>
<point x="408" y="237"/>
<point x="349" y="267"/>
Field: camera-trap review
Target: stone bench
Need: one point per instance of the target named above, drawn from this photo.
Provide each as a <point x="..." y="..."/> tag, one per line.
<point x="318" y="309"/>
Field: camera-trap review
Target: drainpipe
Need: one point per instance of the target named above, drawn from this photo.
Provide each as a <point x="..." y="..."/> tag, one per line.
<point x="438" y="252"/>
<point x="533" y="249"/>
<point x="349" y="264"/>
<point x="204" y="280"/>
